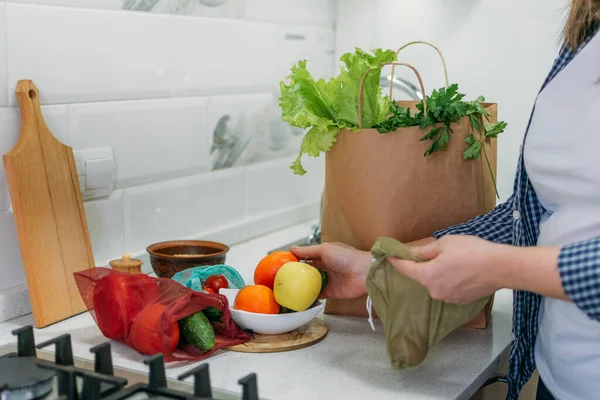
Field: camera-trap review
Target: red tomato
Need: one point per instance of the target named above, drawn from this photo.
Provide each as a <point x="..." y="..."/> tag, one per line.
<point x="118" y="299"/>
<point x="216" y="283"/>
<point x="146" y="336"/>
<point x="208" y="290"/>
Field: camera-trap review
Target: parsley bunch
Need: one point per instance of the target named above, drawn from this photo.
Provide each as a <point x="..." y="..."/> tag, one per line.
<point x="446" y="106"/>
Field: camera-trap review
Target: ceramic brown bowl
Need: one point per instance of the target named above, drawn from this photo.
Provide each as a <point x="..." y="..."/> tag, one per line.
<point x="168" y="258"/>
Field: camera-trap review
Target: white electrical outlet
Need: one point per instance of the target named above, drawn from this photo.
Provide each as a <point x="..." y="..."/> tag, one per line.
<point x="96" y="171"/>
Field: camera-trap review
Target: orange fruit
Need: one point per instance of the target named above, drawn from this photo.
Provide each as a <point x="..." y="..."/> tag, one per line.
<point x="257" y="299"/>
<point x="267" y="268"/>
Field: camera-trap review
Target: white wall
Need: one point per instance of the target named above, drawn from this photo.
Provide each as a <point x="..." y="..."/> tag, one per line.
<point x="500" y="49"/>
<point x="152" y="86"/>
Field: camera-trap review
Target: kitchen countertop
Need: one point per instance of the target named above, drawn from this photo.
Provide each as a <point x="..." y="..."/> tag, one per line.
<point x="350" y="363"/>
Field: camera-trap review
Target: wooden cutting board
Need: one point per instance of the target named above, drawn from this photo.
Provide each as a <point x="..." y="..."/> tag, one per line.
<point x="49" y="214"/>
<point x="305" y="336"/>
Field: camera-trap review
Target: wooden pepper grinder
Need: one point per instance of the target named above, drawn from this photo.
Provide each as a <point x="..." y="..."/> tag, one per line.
<point x="127" y="264"/>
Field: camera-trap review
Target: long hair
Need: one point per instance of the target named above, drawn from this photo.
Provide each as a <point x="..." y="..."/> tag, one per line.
<point x="583" y="20"/>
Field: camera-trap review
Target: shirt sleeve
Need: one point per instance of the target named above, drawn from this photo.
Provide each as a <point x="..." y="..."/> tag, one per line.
<point x="579" y="268"/>
<point x="495" y="226"/>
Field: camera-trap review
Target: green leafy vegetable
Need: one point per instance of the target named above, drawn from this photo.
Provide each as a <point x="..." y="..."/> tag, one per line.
<point x="326" y="107"/>
<point x="490" y="131"/>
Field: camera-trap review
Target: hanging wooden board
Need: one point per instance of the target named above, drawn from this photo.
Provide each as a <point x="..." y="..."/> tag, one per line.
<point x="49" y="214"/>
<point x="305" y="336"/>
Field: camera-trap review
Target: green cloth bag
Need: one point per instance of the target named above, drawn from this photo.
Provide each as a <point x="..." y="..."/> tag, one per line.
<point x="413" y="322"/>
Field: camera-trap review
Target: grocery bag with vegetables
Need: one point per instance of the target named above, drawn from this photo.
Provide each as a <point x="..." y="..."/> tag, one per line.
<point x="398" y="169"/>
<point x="158" y="315"/>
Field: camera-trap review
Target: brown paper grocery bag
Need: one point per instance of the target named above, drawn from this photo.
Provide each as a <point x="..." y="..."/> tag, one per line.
<point x="381" y="185"/>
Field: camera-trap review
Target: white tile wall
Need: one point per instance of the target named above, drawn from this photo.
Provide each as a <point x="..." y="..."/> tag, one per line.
<point x="132" y="81"/>
<point x="273" y="187"/>
<point x="106" y="224"/>
<point x="315" y="44"/>
<point x="182" y="207"/>
<point x="11" y="264"/>
<point x="247" y="117"/>
<point x="305" y="11"/>
<point x="151" y="139"/>
<point x="3" y="74"/>
<point x="87" y="55"/>
<point x="56" y="118"/>
<point x="229" y="8"/>
<point x="223" y="56"/>
<point x="101" y="4"/>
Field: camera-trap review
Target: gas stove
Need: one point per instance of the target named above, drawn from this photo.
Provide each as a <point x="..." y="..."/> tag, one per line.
<point x="29" y="371"/>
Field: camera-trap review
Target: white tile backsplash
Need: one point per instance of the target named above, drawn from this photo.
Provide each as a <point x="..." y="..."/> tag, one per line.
<point x="106" y="224"/>
<point x="3" y="74"/>
<point x="223" y="56"/>
<point x="212" y="8"/>
<point x="100" y="4"/>
<point x="246" y="129"/>
<point x="57" y="120"/>
<point x="152" y="139"/>
<point x="305" y="11"/>
<point x="313" y="43"/>
<point x="182" y="207"/>
<point x="81" y="55"/>
<point x="273" y="186"/>
<point x="11" y="264"/>
<point x="153" y="86"/>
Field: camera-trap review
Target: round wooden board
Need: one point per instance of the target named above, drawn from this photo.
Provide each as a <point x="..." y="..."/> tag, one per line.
<point x="305" y="336"/>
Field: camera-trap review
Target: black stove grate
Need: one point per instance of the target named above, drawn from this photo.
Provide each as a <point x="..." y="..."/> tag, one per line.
<point x="101" y="384"/>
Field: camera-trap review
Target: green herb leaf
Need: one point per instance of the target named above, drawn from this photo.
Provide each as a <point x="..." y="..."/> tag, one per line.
<point x="493" y="130"/>
<point x="440" y="139"/>
<point x="474" y="122"/>
<point x="474" y="149"/>
<point x="399" y="118"/>
<point x="443" y="139"/>
<point x="471" y="139"/>
<point x="430" y="135"/>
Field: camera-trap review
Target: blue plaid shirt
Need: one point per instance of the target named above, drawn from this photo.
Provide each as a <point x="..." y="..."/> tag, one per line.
<point x="516" y="222"/>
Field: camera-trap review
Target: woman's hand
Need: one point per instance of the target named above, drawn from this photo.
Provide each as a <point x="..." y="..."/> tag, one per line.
<point x="461" y="269"/>
<point x="346" y="268"/>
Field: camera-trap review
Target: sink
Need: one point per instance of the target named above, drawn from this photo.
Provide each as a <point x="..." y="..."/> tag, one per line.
<point x="287" y="247"/>
<point x="313" y="238"/>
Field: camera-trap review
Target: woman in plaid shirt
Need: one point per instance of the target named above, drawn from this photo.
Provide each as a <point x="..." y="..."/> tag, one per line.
<point x="543" y="242"/>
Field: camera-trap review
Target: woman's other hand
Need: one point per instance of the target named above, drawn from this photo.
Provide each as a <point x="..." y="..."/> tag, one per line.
<point x="461" y="269"/>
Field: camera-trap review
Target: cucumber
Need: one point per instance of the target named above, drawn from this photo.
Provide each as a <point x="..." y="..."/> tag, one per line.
<point x="197" y="330"/>
<point x="213" y="314"/>
<point x="285" y="310"/>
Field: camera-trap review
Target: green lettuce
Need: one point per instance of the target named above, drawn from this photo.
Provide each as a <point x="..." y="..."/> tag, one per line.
<point x="325" y="107"/>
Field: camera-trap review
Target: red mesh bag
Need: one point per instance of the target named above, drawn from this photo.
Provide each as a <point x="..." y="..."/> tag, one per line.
<point x="142" y="312"/>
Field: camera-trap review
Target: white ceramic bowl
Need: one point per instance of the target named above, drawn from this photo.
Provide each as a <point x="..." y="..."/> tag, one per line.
<point x="270" y="324"/>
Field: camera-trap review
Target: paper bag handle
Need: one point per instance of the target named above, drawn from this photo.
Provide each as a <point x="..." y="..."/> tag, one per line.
<point x="362" y="81"/>
<point x="428" y="44"/>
